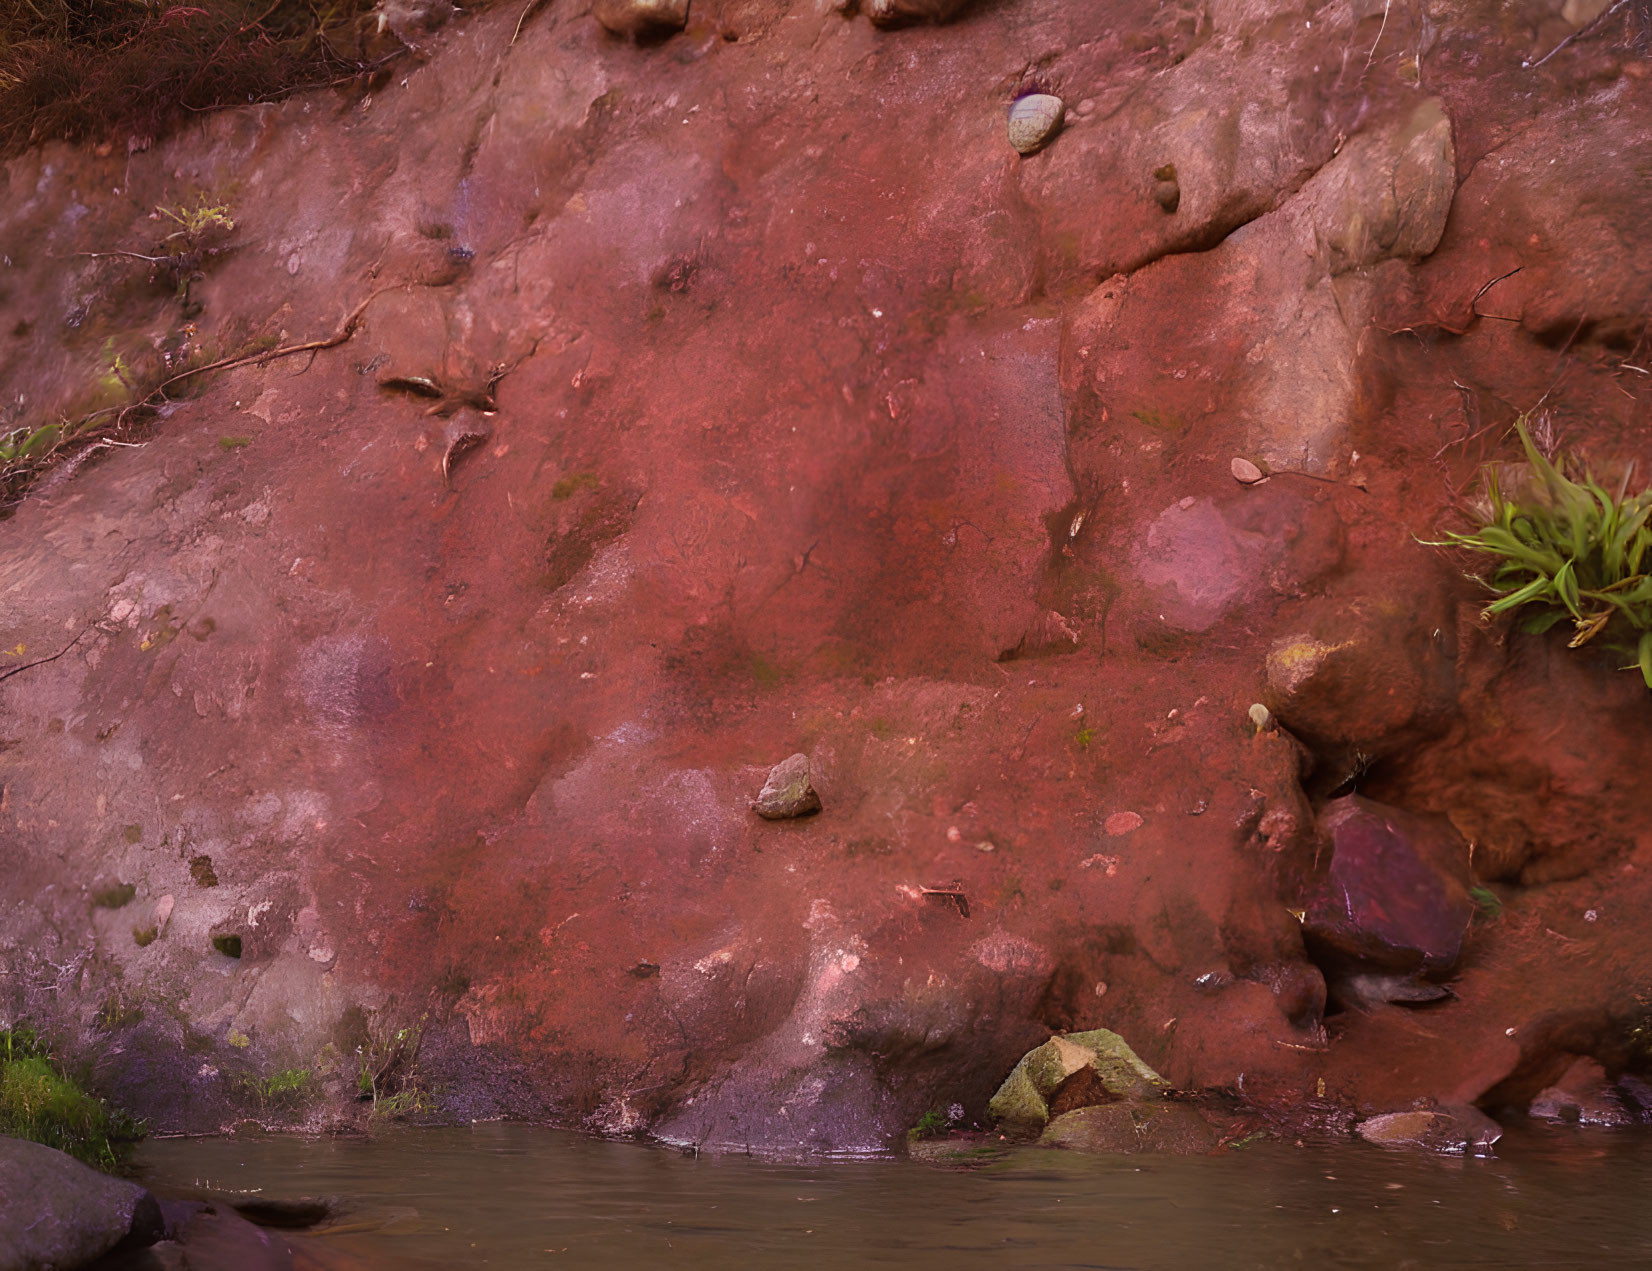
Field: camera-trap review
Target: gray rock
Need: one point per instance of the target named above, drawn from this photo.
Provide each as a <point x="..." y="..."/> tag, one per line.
<point x="641" y="17"/>
<point x="57" y="1213"/>
<point x="1582" y="1096"/>
<point x="1033" y="120"/>
<point x="1636" y="1096"/>
<point x="1453" y="1130"/>
<point x="1391" y="197"/>
<point x="788" y="792"/>
<point x="1366" y="991"/>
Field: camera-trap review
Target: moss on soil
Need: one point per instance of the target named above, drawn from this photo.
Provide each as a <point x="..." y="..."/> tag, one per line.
<point x="42" y="1103"/>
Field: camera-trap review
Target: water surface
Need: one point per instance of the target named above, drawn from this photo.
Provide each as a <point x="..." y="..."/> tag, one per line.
<point x="512" y="1196"/>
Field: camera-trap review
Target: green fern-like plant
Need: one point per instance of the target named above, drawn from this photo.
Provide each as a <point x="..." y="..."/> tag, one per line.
<point x="1568" y="549"/>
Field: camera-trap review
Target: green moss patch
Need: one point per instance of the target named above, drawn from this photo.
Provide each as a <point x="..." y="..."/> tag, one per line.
<point x="570" y="485"/>
<point x="39" y="1102"/>
<point x="114" y="897"/>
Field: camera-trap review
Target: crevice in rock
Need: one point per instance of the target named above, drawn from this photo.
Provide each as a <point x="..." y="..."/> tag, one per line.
<point x="1548" y="1048"/>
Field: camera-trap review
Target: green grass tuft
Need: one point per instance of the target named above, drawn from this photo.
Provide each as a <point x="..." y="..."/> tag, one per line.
<point x="39" y="1102"/>
<point x="284" y="1091"/>
<point x="931" y="1125"/>
<point x="1568" y="549"/>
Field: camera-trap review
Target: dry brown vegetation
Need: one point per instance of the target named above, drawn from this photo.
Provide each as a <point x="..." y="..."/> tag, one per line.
<point x="127" y="70"/>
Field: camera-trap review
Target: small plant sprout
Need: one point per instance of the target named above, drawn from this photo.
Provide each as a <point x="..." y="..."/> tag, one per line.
<point x="932" y="1124"/>
<point x="195" y="223"/>
<point x="1567" y="548"/>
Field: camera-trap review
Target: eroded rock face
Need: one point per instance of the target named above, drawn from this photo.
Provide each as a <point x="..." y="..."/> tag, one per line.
<point x="1296" y="293"/>
<point x="750" y="433"/>
<point x="1583" y="1096"/>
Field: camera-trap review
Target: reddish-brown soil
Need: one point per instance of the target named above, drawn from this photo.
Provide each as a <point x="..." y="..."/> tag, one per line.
<point x="826" y="424"/>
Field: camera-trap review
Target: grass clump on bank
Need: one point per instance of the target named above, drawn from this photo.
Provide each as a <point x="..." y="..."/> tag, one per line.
<point x="39" y="1102"/>
<point x="1568" y="549"/>
<point x="95" y="69"/>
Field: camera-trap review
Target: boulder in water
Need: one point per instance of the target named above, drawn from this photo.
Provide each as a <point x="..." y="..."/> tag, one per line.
<point x="1453" y="1130"/>
<point x="56" y="1212"/>
<point x="1133" y="1125"/>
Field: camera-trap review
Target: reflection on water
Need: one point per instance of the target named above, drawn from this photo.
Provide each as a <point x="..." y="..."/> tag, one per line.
<point x="516" y="1196"/>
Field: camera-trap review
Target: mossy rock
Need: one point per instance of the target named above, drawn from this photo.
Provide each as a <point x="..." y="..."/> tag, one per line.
<point x="1023" y="1101"/>
<point x="1133" y="1126"/>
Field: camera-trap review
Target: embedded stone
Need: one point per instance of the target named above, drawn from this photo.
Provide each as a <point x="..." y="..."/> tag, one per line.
<point x="641" y="17"/>
<point x="788" y="792"/>
<point x="1099" y="1058"/>
<point x="901" y="12"/>
<point x="1367" y="674"/>
<point x="1033" y="120"/>
<point x="1394" y="895"/>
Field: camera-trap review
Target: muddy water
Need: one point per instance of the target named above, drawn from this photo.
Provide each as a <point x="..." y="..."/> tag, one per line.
<point x="513" y="1196"/>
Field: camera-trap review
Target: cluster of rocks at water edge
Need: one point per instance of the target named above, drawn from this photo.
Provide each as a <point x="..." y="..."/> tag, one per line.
<point x="57" y="1214"/>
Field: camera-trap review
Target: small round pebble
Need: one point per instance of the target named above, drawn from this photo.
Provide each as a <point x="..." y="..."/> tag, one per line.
<point x="1033" y="120"/>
